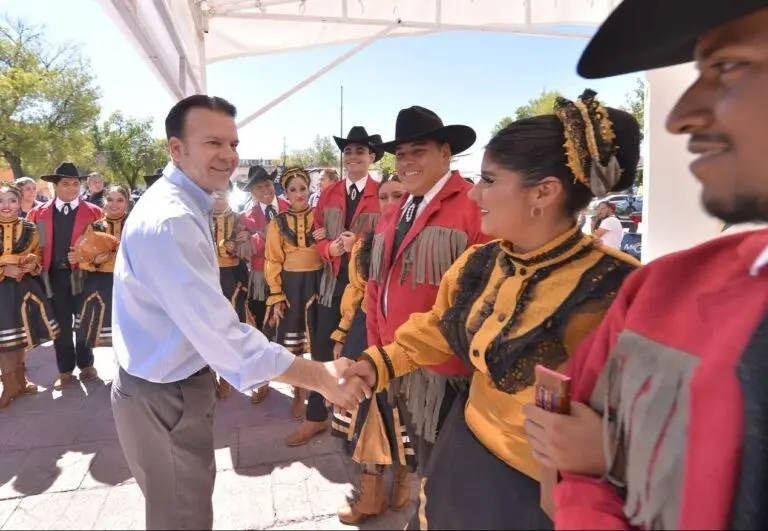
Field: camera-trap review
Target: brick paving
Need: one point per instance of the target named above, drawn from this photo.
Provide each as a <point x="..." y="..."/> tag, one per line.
<point x="61" y="466"/>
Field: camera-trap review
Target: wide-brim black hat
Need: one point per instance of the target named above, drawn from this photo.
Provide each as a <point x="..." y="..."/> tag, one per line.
<point x="257" y="174"/>
<point x="152" y="179"/>
<point x="65" y="170"/>
<point x="418" y="123"/>
<point x="647" y="34"/>
<point x="358" y="135"/>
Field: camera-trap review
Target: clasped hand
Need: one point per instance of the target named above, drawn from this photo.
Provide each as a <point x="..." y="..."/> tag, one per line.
<point x="354" y="382"/>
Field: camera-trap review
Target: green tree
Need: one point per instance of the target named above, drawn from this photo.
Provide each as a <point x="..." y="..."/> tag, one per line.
<point x="48" y="100"/>
<point x="504" y="122"/>
<point x="635" y="105"/>
<point x="387" y="164"/>
<point x="125" y="150"/>
<point x="322" y="153"/>
<point x="299" y="158"/>
<point x="325" y="152"/>
<point x="544" y="103"/>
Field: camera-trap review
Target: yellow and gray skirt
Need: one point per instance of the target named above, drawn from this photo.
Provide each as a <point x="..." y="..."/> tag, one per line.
<point x="375" y="433"/>
<point x="296" y="331"/>
<point x="93" y="323"/>
<point x="26" y="319"/>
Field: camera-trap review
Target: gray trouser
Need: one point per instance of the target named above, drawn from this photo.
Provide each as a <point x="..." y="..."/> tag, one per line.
<point x="166" y="432"/>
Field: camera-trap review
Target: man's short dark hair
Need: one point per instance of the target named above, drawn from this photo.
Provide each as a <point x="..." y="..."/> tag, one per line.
<point x="174" y="122"/>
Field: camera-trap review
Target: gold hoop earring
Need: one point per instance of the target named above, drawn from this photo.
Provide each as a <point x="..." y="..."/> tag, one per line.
<point x="537" y="212"/>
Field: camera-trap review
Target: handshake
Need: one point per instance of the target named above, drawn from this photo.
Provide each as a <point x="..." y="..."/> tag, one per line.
<point x="347" y="383"/>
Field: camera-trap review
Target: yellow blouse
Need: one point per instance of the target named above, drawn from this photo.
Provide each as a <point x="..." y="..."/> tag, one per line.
<point x="224" y="224"/>
<point x="113" y="227"/>
<point x="290" y="246"/>
<point x="504" y="313"/>
<point x="19" y="244"/>
<point x="353" y="297"/>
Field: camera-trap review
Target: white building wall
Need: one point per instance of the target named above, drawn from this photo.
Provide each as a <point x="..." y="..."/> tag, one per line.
<point x="673" y="218"/>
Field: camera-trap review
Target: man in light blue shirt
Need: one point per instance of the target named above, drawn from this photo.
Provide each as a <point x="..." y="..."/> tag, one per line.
<point x="172" y="325"/>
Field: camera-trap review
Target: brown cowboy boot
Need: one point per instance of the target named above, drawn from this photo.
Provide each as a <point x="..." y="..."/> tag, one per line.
<point x="25" y="386"/>
<point x="371" y="500"/>
<point x="10" y="389"/>
<point x="89" y="373"/>
<point x="305" y="432"/>
<point x="64" y="379"/>
<point x="298" y="406"/>
<point x="401" y="488"/>
<point x="259" y="394"/>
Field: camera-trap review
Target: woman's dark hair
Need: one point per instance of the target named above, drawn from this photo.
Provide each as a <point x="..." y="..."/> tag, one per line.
<point x="292" y="173"/>
<point x="9" y="186"/>
<point x="121" y="189"/>
<point x="364" y="254"/>
<point x="392" y="177"/>
<point x="534" y="148"/>
<point x="125" y="192"/>
<point x="331" y="173"/>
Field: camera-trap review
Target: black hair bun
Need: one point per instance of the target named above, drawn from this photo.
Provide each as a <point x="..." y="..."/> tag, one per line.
<point x="627" y="143"/>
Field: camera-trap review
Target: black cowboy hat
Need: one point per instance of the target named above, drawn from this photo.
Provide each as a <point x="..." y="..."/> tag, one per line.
<point x="152" y="179"/>
<point x="64" y="170"/>
<point x="647" y="34"/>
<point x="358" y="135"/>
<point x="257" y="174"/>
<point x="417" y="123"/>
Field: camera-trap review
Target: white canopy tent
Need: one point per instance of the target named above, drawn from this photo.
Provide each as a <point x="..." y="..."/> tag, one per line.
<point x="180" y="38"/>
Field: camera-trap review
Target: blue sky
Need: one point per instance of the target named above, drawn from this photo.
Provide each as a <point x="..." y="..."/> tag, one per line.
<point x="469" y="78"/>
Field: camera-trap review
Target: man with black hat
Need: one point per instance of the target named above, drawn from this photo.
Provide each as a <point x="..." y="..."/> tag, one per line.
<point x="683" y="391"/>
<point x="266" y="205"/>
<point x="61" y="222"/>
<point x="413" y="247"/>
<point x="346" y="209"/>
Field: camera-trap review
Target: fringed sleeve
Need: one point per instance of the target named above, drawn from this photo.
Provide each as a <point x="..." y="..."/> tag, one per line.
<point x="273" y="265"/>
<point x="419" y="341"/>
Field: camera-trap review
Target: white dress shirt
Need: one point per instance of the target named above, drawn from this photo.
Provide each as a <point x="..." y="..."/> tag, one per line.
<point x="59" y="204"/>
<point x="274" y="203"/>
<point x="169" y="316"/>
<point x="429" y="196"/>
<point x="360" y="184"/>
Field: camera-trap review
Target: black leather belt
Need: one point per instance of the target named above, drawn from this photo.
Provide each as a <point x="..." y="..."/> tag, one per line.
<point x="204" y="370"/>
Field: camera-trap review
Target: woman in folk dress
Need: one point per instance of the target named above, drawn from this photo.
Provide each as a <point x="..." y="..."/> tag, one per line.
<point x="26" y="320"/>
<point x="292" y="270"/>
<point x="94" y="322"/>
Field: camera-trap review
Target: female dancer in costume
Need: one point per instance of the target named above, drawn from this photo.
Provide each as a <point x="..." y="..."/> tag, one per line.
<point x="233" y="273"/>
<point x="292" y="270"/>
<point x="26" y="319"/>
<point x="525" y="299"/>
<point x="350" y="339"/>
<point x="96" y="252"/>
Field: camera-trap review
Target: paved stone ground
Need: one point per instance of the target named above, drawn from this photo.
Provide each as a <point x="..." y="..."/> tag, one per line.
<point x="61" y="466"/>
